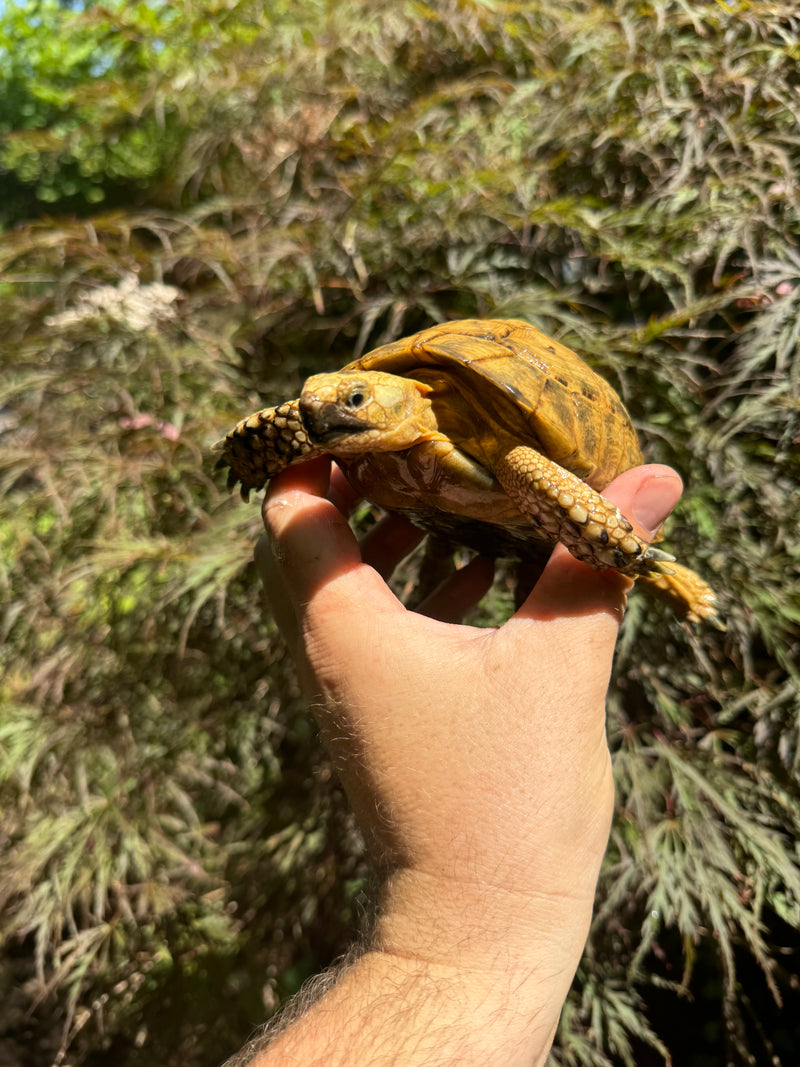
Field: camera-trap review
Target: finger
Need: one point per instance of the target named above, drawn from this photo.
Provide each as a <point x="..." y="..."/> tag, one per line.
<point x="320" y="574"/>
<point x="275" y="594"/>
<point x="460" y="592"/>
<point x="389" y="542"/>
<point x="646" y="495"/>
<point x="654" y="499"/>
<point x="341" y="493"/>
<point x="310" y="539"/>
<point x="308" y="478"/>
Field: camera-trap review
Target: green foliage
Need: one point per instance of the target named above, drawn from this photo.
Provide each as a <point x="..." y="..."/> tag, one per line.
<point x="81" y="116"/>
<point x="311" y="183"/>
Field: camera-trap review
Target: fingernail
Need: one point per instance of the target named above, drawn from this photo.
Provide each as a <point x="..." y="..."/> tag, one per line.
<point x="655" y="500"/>
<point x="276" y="510"/>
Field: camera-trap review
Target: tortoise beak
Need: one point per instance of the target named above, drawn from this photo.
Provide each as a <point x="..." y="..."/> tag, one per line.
<point x="326" y="422"/>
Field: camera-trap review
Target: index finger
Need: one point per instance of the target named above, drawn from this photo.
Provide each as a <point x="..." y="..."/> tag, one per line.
<point x="340" y="491"/>
<point x="308" y="534"/>
<point x="311" y="545"/>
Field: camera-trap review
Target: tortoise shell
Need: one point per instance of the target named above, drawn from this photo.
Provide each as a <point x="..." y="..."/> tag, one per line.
<point x="493" y="381"/>
<point x="523" y="384"/>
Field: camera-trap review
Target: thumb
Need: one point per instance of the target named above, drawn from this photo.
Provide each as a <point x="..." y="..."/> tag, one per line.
<point x="646" y="495"/>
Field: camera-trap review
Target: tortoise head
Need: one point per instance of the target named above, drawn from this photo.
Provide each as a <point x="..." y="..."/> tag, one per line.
<point x="349" y="413"/>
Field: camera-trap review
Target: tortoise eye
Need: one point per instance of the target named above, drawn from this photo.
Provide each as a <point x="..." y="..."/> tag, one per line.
<point x="355" y="400"/>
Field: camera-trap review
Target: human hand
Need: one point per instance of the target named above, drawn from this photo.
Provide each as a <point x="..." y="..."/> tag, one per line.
<point x="475" y="759"/>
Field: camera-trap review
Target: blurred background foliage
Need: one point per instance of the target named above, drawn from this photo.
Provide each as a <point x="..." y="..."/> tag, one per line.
<point x="202" y="202"/>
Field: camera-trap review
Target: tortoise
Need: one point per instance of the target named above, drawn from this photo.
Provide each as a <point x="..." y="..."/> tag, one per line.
<point x="486" y="433"/>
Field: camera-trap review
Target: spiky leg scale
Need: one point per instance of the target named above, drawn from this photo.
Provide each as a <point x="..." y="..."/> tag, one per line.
<point x="264" y="444"/>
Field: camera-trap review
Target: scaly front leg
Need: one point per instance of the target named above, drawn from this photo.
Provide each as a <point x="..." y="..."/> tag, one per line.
<point x="565" y="508"/>
<point x="263" y="444"/>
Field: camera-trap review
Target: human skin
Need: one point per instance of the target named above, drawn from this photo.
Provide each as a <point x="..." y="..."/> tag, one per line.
<point x="477" y="765"/>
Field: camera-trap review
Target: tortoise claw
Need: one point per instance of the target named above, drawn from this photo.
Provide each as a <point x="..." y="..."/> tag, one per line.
<point x="657" y="561"/>
<point x="658" y="556"/>
<point x="659" y="567"/>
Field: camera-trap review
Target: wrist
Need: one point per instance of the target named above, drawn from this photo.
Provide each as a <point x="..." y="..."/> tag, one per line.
<point x="483" y="928"/>
<point x="463" y="975"/>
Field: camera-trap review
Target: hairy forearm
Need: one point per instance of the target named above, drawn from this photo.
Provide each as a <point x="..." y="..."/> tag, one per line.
<point x="473" y="977"/>
<point x="386" y="1011"/>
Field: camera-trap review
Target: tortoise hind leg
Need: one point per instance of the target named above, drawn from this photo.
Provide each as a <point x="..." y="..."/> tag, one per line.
<point x="686" y="592"/>
<point x="568" y="510"/>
